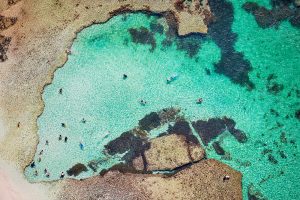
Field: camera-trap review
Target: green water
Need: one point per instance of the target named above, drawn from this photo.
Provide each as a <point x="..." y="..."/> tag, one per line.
<point x="94" y="89"/>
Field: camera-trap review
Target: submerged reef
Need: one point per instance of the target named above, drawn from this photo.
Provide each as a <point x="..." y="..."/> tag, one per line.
<point x="281" y="10"/>
<point x="143" y="36"/>
<point x="232" y="63"/>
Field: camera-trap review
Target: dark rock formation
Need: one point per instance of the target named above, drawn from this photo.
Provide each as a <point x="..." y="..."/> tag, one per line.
<point x="182" y="127"/>
<point x="4" y="43"/>
<point x="77" y="169"/>
<point x="150" y="121"/>
<point x="209" y="130"/>
<point x="135" y="146"/>
<point x="281" y="10"/>
<point x="232" y="63"/>
<point x="218" y="149"/>
<point x="143" y="36"/>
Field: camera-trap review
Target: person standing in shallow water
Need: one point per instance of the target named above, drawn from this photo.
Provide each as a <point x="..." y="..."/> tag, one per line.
<point x="60" y="137"/>
<point x="66" y="139"/>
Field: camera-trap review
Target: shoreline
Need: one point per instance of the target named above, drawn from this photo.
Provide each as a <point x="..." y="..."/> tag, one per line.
<point x="14" y="132"/>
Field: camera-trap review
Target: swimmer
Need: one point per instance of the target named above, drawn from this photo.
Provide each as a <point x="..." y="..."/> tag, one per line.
<point x="83" y="120"/>
<point x="142" y="102"/>
<point x="60" y="137"/>
<point x="66" y="139"/>
<point x="125" y="76"/>
<point x="41" y="152"/>
<point x="47" y="142"/>
<point x="199" y="101"/>
<point x="63" y="125"/>
<point x="60" y="91"/>
<point x="81" y="145"/>
<point x="45" y="170"/>
<point x="36" y="173"/>
<point x="226" y="178"/>
<point x="47" y="174"/>
<point x="62" y="175"/>
<point x="39" y="159"/>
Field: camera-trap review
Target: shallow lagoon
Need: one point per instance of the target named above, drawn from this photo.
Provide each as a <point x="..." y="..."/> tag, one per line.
<point x="93" y="89"/>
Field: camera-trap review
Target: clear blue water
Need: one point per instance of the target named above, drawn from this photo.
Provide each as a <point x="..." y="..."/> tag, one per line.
<point x="94" y="90"/>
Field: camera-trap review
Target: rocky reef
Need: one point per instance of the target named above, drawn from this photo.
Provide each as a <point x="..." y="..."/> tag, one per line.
<point x="281" y="10"/>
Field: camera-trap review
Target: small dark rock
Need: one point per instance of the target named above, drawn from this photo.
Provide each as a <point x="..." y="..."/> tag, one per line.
<point x="77" y="169"/>
<point x="272" y="159"/>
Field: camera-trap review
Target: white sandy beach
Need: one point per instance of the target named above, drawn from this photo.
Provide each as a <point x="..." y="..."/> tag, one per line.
<point x="13" y="185"/>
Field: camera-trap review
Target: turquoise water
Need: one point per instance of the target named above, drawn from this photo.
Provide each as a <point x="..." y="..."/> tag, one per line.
<point x="93" y="89"/>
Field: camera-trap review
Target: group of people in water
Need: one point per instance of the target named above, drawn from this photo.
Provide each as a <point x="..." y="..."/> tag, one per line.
<point x="169" y="80"/>
<point x="46" y="172"/>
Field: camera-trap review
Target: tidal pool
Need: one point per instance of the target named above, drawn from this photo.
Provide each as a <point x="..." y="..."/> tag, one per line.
<point x="90" y="102"/>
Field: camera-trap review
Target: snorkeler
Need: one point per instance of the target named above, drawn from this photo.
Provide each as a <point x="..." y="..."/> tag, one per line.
<point x="199" y="101"/>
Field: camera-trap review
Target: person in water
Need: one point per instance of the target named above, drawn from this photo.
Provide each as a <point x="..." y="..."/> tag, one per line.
<point x="66" y="139"/>
<point x="47" y="174"/>
<point x="125" y="76"/>
<point x="199" y="101"/>
<point x="60" y="91"/>
<point x="62" y="175"/>
<point x="60" y="137"/>
<point x="36" y="173"/>
<point x="32" y="165"/>
<point x="47" y="142"/>
<point x="41" y="152"/>
<point x="143" y="102"/>
<point x="81" y="145"/>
